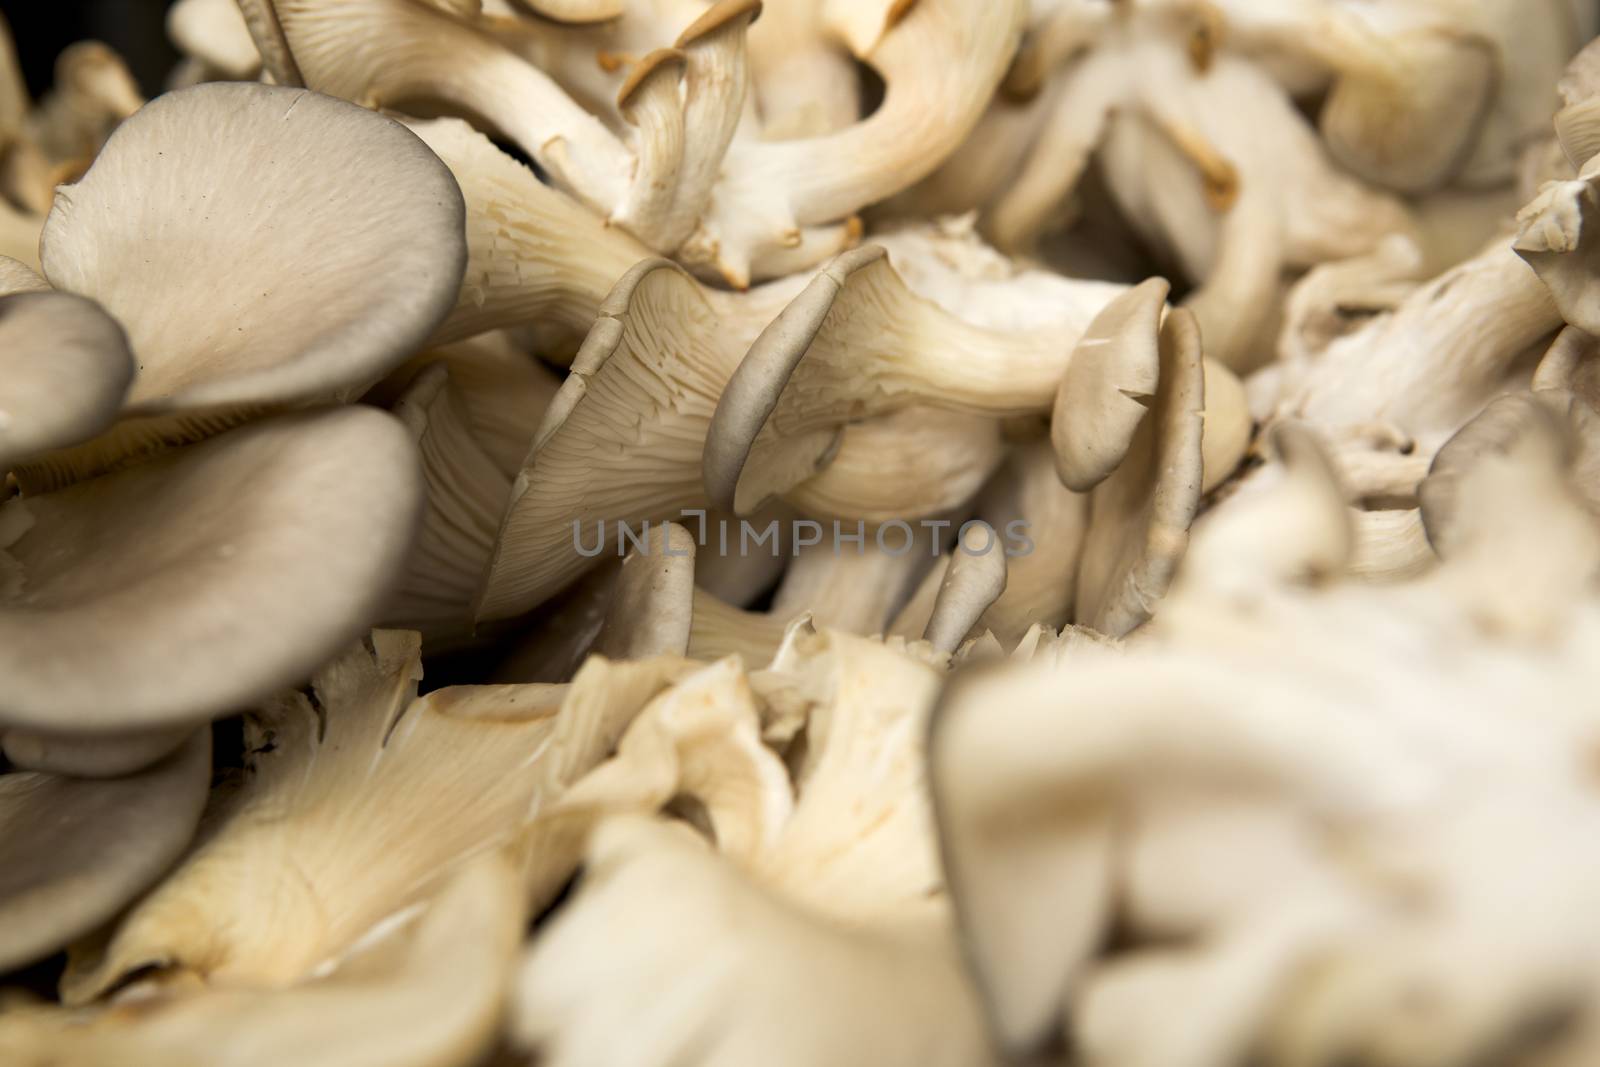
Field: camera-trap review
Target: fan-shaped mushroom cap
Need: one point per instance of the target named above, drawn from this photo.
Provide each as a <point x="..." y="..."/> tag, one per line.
<point x="272" y="200"/>
<point x="657" y="349"/>
<point x="263" y="550"/>
<point x="1139" y="517"/>
<point x="64" y="370"/>
<point x="364" y="800"/>
<point x="430" y="995"/>
<point x="122" y="834"/>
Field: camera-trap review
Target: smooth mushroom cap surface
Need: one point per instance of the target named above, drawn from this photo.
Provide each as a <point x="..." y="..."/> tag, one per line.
<point x="64" y="370"/>
<point x="1108" y="385"/>
<point x="260" y="553"/>
<point x="74" y="852"/>
<point x="268" y="201"/>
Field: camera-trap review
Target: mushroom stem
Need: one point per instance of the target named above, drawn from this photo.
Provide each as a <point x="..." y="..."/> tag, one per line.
<point x="714" y="96"/>
<point x="650" y="100"/>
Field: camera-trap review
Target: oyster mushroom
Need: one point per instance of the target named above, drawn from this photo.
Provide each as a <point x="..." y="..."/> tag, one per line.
<point x="837" y="902"/>
<point x="76" y="852"/>
<point x="303" y="517"/>
<point x="471" y="408"/>
<point x="1139" y="517"/>
<point x="771" y="209"/>
<point x="64" y="370"/>
<point x="427" y="995"/>
<point x="1299" y="946"/>
<point x="389" y="271"/>
<point x="858" y="342"/>
<point x="334" y="786"/>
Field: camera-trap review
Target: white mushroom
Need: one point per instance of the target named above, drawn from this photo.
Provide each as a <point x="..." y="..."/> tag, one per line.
<point x="336" y="782"/>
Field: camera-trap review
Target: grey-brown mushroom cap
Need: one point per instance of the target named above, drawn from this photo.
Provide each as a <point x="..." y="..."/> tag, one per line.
<point x="74" y="852"/>
<point x="207" y="579"/>
<point x="64" y="369"/>
<point x="1108" y="385"/>
<point x="261" y="245"/>
<point x="1510" y="423"/>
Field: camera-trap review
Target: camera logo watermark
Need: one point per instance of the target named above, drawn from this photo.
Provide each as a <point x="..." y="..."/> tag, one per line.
<point x="744" y="538"/>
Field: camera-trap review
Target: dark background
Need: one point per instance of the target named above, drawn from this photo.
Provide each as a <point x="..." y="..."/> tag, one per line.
<point x="135" y="28"/>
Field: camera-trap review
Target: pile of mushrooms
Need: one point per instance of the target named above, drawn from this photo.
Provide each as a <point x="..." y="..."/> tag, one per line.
<point x="801" y="533"/>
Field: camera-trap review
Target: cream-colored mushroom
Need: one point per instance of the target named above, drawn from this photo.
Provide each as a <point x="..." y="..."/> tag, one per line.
<point x="243" y="168"/>
<point x="772" y="208"/>
<point x="858" y="342"/>
<point x="338" y="782"/>
<point x="254" y="556"/>
<point x="213" y="33"/>
<point x="843" y="878"/>
<point x="428" y="995"/>
<point x="1367" y="817"/>
<point x="124" y="834"/>
<point x="1177" y="130"/>
<point x="1139" y="517"/>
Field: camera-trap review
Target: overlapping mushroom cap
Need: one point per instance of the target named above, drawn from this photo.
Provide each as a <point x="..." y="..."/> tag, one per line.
<point x="202" y="580"/>
<point x="212" y="218"/>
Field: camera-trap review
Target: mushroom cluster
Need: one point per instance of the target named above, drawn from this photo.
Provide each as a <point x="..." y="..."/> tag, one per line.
<point x="804" y="533"/>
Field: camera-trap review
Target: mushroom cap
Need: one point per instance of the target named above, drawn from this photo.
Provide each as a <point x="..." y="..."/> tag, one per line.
<point x="1510" y="424"/>
<point x="1103" y="395"/>
<point x="64" y="370"/>
<point x="74" y="852"/>
<point x="1139" y="517"/>
<point x="259" y="554"/>
<point x="621" y="441"/>
<point x="97" y="756"/>
<point x="271" y="200"/>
